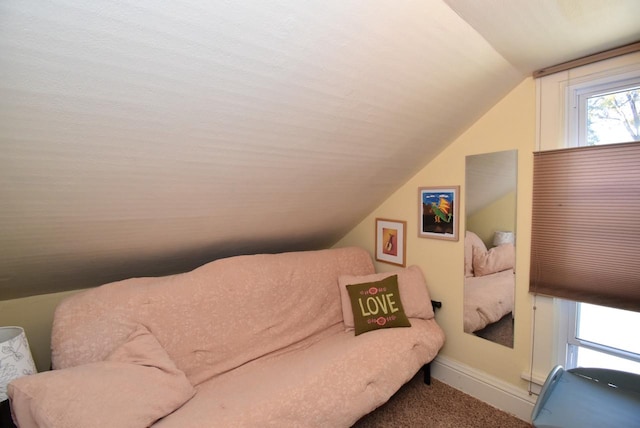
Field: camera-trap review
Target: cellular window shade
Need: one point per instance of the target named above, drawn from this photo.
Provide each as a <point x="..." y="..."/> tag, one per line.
<point x="585" y="242"/>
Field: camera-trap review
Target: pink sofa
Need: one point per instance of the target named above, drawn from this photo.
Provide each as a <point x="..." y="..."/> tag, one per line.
<point x="245" y="341"/>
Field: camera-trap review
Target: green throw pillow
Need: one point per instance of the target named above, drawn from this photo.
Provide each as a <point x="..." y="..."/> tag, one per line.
<point x="377" y="305"/>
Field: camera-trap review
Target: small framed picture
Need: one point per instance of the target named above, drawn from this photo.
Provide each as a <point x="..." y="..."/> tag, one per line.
<point x="438" y="212"/>
<point x="391" y="242"/>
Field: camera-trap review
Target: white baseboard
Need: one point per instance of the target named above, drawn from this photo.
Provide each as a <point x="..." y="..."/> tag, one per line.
<point x="484" y="387"/>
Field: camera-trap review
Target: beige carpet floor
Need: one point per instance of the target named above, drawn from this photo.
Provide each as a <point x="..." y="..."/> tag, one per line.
<point x="417" y="405"/>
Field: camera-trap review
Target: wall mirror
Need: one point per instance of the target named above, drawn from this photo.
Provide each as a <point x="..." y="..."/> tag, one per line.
<point x="490" y="245"/>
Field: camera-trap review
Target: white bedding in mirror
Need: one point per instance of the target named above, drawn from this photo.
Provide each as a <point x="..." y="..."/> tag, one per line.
<point x="487" y="299"/>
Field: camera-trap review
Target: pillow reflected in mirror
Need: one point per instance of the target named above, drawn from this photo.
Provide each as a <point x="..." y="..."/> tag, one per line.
<point x="497" y="259"/>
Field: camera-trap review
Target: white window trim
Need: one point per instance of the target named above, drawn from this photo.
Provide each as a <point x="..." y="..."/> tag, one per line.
<point x="572" y="342"/>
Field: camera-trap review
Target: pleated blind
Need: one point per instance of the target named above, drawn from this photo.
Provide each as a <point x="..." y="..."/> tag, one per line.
<point x="585" y="242"/>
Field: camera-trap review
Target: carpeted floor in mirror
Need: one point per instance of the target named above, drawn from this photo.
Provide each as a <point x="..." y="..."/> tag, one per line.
<point x="500" y="332"/>
<point x="417" y="405"/>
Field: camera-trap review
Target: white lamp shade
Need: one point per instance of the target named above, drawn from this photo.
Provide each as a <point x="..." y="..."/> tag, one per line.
<point x="15" y="357"/>
<point x="503" y="237"/>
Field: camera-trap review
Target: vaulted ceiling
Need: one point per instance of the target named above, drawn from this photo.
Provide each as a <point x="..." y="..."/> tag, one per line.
<point x="148" y="137"/>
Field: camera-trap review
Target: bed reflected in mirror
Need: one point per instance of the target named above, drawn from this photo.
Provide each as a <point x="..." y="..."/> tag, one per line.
<point x="490" y="242"/>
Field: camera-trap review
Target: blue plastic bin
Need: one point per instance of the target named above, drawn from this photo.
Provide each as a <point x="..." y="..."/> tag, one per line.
<point x="588" y="397"/>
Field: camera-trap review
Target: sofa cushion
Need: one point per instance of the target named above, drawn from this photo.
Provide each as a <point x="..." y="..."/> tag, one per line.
<point x="377" y="305"/>
<point x="414" y="293"/>
<point x="328" y="380"/>
<point x="135" y="386"/>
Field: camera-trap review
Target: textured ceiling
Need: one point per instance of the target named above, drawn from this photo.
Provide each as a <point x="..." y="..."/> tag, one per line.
<point x="148" y="137"/>
<point x="537" y="34"/>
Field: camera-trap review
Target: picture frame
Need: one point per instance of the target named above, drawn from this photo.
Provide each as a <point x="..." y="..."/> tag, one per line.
<point x="391" y="241"/>
<point x="438" y="212"/>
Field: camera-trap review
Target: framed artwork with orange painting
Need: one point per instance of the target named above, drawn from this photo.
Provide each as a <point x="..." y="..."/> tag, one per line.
<point x="438" y="212"/>
<point x="391" y="241"/>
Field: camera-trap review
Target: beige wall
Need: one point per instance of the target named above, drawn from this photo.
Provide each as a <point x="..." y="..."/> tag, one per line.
<point x="496" y="216"/>
<point x="510" y="124"/>
<point x="35" y="315"/>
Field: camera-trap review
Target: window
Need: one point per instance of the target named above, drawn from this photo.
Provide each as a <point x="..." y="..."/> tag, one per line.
<point x="602" y="337"/>
<point x="603" y="112"/>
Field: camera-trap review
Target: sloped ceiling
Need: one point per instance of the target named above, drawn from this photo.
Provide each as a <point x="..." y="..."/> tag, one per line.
<point x="148" y="137"/>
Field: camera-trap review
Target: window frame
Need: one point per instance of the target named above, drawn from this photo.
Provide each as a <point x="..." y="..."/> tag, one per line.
<point x="574" y="342"/>
<point x="576" y="96"/>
